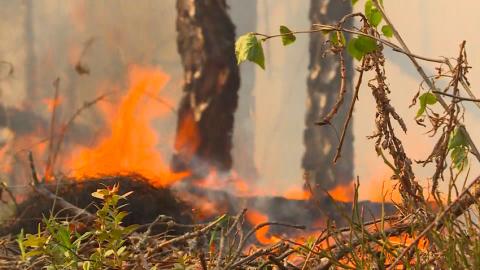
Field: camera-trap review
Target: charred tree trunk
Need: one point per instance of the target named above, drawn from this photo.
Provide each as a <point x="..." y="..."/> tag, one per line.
<point x="206" y="40"/>
<point x="323" y="81"/>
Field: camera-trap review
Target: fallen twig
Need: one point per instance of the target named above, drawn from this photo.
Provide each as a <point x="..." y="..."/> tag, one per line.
<point x="191" y="234"/>
<point x="39" y="188"/>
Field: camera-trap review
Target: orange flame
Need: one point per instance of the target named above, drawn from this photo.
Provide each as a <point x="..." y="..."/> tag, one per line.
<point x="188" y="139"/>
<point x="343" y="193"/>
<point x="297" y="194"/>
<point x="52" y="103"/>
<point x="255" y="218"/>
<point x="131" y="146"/>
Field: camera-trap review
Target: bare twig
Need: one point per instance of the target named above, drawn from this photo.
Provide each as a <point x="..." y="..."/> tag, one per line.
<point x="341" y="92"/>
<point x="261" y="225"/>
<point x="452" y="119"/>
<point x="39" y="188"/>
<point x="63" y="203"/>
<point x="464" y="84"/>
<point x="329" y="28"/>
<point x="338" y="154"/>
<point x="276" y="262"/>
<point x="33" y="170"/>
<point x="221" y="248"/>
<point x="456" y="97"/>
<point x="255" y="255"/>
<point x="4" y="186"/>
<point x="50" y="159"/>
<point x="191" y="235"/>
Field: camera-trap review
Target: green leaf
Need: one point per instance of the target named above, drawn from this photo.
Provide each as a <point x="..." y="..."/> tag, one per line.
<point x="353" y="51"/>
<point x="334" y="38"/>
<point x="287" y="36"/>
<point x="121" y="250"/>
<point x="119" y="217"/>
<point x="375" y="17"/>
<point x="354" y="2"/>
<point x="368" y="8"/>
<point x="108" y="253"/>
<point x="79" y="240"/>
<point x="365" y="44"/>
<point x="426" y="99"/>
<point x="457" y="139"/>
<point x="459" y="157"/>
<point x="34" y="241"/>
<point x="248" y="47"/>
<point x="34" y="252"/>
<point x="86" y="265"/>
<point x="387" y="30"/>
<point x="21" y="246"/>
<point x="131" y="228"/>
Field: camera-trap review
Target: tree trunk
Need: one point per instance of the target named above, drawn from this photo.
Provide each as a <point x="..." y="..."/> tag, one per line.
<point x="323" y="81"/>
<point x="206" y="40"/>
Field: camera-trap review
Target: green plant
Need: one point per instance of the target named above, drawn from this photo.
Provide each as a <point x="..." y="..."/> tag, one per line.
<point x="109" y="233"/>
<point x="60" y="242"/>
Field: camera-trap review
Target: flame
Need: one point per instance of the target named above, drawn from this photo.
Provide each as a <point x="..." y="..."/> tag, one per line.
<point x="52" y="103"/>
<point x="343" y="192"/>
<point x="203" y="208"/>
<point x="187" y="140"/>
<point x="406" y="240"/>
<point x="131" y="145"/>
<point x="297" y="194"/>
<point x="254" y="217"/>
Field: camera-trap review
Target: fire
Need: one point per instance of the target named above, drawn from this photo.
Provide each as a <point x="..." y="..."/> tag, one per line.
<point x="52" y="103"/>
<point x="131" y="146"/>
<point x="297" y="194"/>
<point x="187" y="140"/>
<point x="203" y="208"/>
<point x="343" y="193"/>
<point x="254" y="217"/>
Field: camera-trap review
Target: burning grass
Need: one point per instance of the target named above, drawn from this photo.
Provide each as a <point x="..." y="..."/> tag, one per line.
<point x="106" y="238"/>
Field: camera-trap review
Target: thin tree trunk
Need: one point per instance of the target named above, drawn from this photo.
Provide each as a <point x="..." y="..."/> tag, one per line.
<point x="206" y="38"/>
<point x="323" y="81"/>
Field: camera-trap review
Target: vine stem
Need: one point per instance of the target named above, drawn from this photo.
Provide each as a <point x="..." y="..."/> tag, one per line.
<point x="465" y="86"/>
<point x="331" y="28"/>
<point x="338" y="154"/>
<point x="459" y="98"/>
